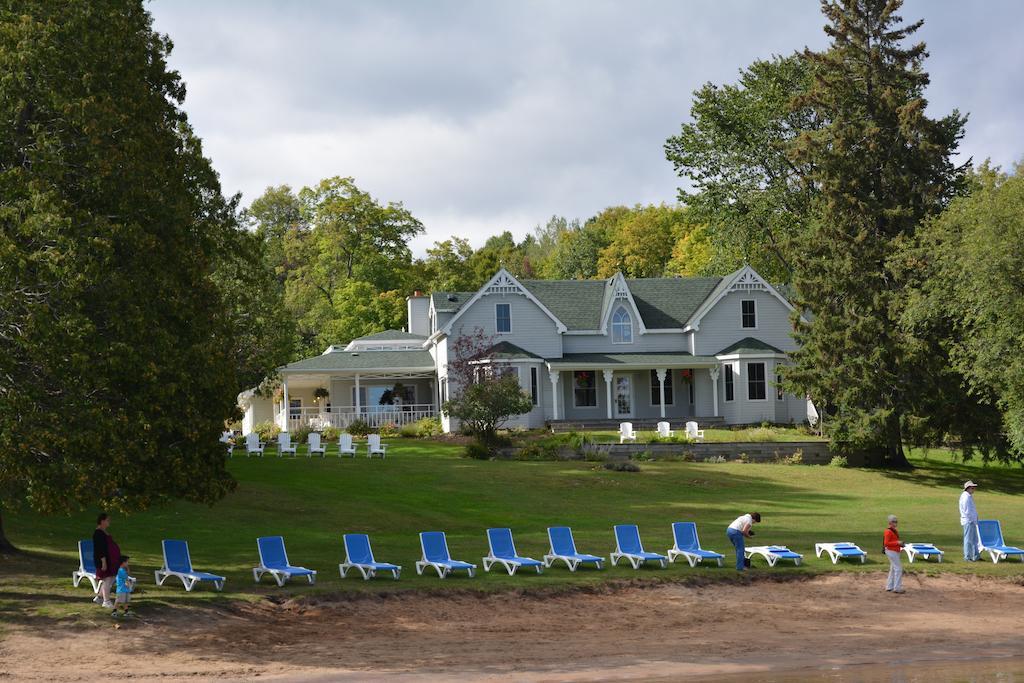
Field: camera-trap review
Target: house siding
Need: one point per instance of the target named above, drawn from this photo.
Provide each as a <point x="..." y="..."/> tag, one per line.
<point x="532" y="329"/>
<point x="722" y="325"/>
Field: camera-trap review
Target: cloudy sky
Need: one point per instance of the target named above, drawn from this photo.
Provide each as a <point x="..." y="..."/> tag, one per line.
<point x="483" y="116"/>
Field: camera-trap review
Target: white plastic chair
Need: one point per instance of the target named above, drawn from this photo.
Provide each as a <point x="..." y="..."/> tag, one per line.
<point x="663" y="430"/>
<point x="315" y="446"/>
<point x="626" y="432"/>
<point x="284" y="444"/>
<point x="374" y="446"/>
<point x="253" y="445"/>
<point x="345" y="446"/>
<point x="692" y="432"/>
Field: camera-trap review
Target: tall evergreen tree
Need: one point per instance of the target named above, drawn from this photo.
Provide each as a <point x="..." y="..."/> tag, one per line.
<point x="880" y="166"/>
<point x="117" y="348"/>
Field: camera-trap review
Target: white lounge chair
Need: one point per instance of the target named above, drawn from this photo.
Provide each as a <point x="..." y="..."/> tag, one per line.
<point x="435" y="555"/>
<point x="178" y="562"/>
<point x="687" y="545"/>
<point x="314" y="445"/>
<point x="284" y="444"/>
<point x="503" y="552"/>
<point x="345" y="446"/>
<point x="228" y="439"/>
<point x="628" y="547"/>
<point x="773" y="553"/>
<point x="840" y="550"/>
<point x="274" y="561"/>
<point x="87" y="567"/>
<point x="991" y="534"/>
<point x="692" y="432"/>
<point x="359" y="556"/>
<point x="922" y="550"/>
<point x="663" y="430"/>
<point x="374" y="446"/>
<point x="563" y="548"/>
<point x="253" y="445"/>
<point x="626" y="432"/>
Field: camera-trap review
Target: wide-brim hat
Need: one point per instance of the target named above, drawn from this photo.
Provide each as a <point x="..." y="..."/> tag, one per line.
<point x="968" y="484"/>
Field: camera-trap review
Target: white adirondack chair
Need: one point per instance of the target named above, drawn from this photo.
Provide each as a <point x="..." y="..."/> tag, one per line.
<point x="626" y="432"/>
<point x="692" y="432"/>
<point x="253" y="445"/>
<point x="663" y="430"/>
<point x="227" y="438"/>
<point x="345" y="446"/>
<point x="315" y="446"/>
<point x="374" y="446"/>
<point x="284" y="444"/>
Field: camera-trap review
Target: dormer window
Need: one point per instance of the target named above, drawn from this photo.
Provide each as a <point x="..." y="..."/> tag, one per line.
<point x="748" y="314"/>
<point x="503" y="318"/>
<point x="622" y="326"/>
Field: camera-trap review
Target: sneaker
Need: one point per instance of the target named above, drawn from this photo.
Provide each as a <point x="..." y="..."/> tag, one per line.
<point x="115" y="614"/>
<point x="108" y="605"/>
<point x="898" y="590"/>
<point x="98" y="599"/>
<point x="129" y="613"/>
<point x="888" y="590"/>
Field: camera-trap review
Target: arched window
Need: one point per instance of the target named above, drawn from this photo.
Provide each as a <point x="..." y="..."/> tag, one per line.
<point x="622" y="327"/>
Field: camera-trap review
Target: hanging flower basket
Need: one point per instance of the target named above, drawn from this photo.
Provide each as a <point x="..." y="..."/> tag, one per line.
<point x="687" y="374"/>
<point x="320" y="393"/>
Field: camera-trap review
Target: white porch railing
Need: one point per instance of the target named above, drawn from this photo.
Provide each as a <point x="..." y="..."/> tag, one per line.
<point x="342" y="416"/>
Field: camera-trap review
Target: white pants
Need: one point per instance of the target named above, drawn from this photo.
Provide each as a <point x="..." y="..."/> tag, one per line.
<point x="895" y="581"/>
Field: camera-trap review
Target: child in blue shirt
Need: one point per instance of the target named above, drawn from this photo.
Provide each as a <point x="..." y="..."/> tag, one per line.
<point x="124" y="590"/>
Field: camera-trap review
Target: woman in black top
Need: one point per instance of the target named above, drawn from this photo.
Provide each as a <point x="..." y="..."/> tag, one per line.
<point x="103" y="548"/>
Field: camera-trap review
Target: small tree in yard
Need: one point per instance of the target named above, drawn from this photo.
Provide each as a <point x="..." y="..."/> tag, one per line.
<point x="485" y="395"/>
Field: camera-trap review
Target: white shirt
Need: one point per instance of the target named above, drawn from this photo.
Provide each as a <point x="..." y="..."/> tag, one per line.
<point x="741" y="523"/>
<point x="968" y="513"/>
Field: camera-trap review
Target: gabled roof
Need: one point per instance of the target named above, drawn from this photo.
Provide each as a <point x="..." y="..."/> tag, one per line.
<point x="391" y="335"/>
<point x="364" y="360"/>
<point x="746" y="278"/>
<point x="504" y="282"/>
<point x="508" y="351"/>
<point x="449" y="302"/>
<point x="668" y="302"/>
<point x="577" y="303"/>
<point x="749" y="345"/>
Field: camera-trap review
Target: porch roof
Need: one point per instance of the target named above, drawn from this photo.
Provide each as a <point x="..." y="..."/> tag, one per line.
<point x="749" y="345"/>
<point x="630" y="361"/>
<point x="382" y="361"/>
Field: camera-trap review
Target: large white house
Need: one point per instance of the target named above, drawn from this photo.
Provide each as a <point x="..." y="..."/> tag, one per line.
<point x="588" y="352"/>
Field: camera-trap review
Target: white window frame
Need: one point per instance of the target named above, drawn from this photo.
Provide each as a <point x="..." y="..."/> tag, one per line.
<point x="753" y="303"/>
<point x="629" y="322"/>
<point x="497" y="318"/>
<point x="575" y="404"/>
<point x="656" y="391"/>
<point x="764" y="379"/>
<point x="297" y="408"/>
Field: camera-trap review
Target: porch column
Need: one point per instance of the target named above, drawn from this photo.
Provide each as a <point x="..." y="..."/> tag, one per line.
<point x="714" y="386"/>
<point x="661" y="387"/>
<point x="553" y="376"/>
<point x="287" y="411"/>
<point x="434" y="398"/>
<point x="608" y="374"/>
<point x="359" y="407"/>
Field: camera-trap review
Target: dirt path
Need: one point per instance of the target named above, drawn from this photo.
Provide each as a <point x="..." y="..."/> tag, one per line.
<point x="669" y="632"/>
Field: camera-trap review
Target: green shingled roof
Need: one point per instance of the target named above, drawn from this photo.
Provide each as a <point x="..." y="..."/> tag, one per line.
<point x="444" y="304"/>
<point x="668" y="302"/>
<point x="749" y="345"/>
<point x="391" y="335"/>
<point x="577" y="303"/>
<point x="364" y="360"/>
<point x="508" y="351"/>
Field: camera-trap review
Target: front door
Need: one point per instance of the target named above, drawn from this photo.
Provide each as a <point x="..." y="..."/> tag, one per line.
<point x="622" y="396"/>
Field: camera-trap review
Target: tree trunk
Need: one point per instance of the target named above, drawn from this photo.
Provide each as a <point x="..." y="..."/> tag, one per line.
<point x="895" y="456"/>
<point x="5" y="545"/>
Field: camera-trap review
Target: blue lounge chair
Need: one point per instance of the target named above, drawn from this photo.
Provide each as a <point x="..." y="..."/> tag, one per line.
<point x="687" y="545"/>
<point x="922" y="550"/>
<point x="629" y="547"/>
<point x="274" y="561"/>
<point x="436" y="555"/>
<point x="563" y="548"/>
<point x="773" y="553"/>
<point x="87" y="567"/>
<point x="840" y="550"/>
<point x="991" y="534"/>
<point x="178" y="562"/>
<point x="358" y="555"/>
<point x="503" y="552"/>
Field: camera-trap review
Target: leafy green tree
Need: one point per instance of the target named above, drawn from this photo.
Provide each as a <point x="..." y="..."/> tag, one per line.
<point x="641" y="245"/>
<point x="117" y="349"/>
<point x="745" y="186"/>
<point x="272" y="216"/>
<point x="967" y="299"/>
<point x="447" y="266"/>
<point x="692" y="253"/>
<point x="882" y="167"/>
<point x="576" y="253"/>
<point x="359" y="309"/>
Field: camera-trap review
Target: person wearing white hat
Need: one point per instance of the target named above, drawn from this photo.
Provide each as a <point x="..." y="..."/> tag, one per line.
<point x="969" y="521"/>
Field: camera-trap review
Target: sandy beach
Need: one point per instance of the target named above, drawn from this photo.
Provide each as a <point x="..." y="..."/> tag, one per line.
<point x="670" y="632"/>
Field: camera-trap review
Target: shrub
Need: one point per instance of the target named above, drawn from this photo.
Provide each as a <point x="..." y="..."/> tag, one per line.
<point x="268" y="431"/>
<point x="477" y="451"/>
<point x="409" y="431"/>
<point x="625" y="466"/>
<point x="744" y="458"/>
<point x="358" y="428"/>
<point x="642" y="456"/>
<point x="301" y="435"/>
<point x="388" y="430"/>
<point x="838" y="461"/>
<point x="330" y="433"/>
<point x="428" y="426"/>
<point x="796" y="459"/>
<point x="538" y="450"/>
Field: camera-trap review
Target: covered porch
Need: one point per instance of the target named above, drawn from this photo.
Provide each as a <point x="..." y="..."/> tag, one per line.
<point x="604" y="388"/>
<point x="339" y="388"/>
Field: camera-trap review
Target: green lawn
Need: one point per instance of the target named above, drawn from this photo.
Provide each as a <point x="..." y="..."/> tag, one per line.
<point x="424" y="485"/>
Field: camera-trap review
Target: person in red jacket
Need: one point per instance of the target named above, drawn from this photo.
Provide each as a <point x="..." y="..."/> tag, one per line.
<point x="893" y="545"/>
